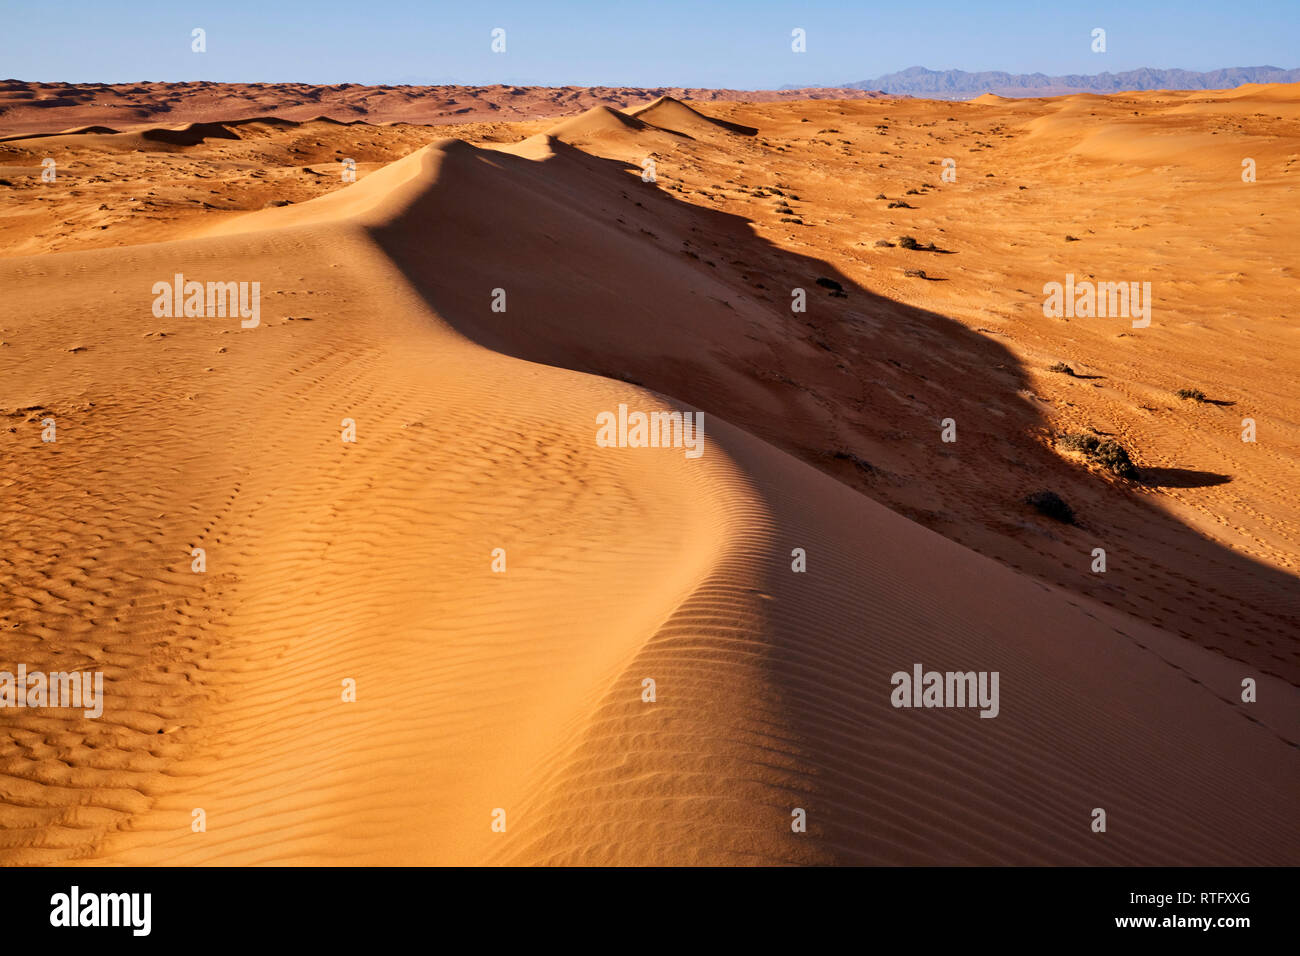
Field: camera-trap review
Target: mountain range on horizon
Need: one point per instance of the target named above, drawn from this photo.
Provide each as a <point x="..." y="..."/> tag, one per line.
<point x="961" y="85"/>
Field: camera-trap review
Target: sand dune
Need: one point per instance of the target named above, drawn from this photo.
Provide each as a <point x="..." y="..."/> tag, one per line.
<point x="523" y="691"/>
<point x="113" y="187"/>
<point x="102" y="137"/>
<point x="669" y="113"/>
<point x="595" y="122"/>
<point x="27" y="107"/>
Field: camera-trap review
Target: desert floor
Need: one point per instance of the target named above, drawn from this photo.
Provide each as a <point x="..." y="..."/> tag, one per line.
<point x="483" y="694"/>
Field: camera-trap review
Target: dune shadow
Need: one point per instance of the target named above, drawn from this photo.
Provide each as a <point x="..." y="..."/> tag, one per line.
<point x="1182" y="478"/>
<point x="612" y="276"/>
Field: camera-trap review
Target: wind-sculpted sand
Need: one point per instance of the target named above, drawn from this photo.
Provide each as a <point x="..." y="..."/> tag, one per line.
<point x="517" y="692"/>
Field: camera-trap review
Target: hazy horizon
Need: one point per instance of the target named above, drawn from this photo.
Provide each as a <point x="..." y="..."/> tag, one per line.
<point x="504" y="82"/>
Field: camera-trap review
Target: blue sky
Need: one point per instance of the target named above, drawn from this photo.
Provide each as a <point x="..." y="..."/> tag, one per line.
<point x="709" y="43"/>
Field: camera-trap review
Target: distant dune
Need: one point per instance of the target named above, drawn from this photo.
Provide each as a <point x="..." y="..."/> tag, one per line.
<point x="628" y="655"/>
<point x="29" y="107"/>
<point x="669" y="113"/>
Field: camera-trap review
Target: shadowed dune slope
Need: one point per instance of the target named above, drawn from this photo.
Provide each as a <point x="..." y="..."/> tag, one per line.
<point x="523" y="692"/>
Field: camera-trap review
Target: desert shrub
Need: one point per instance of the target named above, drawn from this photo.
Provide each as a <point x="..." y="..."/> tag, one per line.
<point x="1108" y="453"/>
<point x="907" y="242"/>
<point x="915" y="273"/>
<point x="1071" y="238"/>
<point x="827" y="283"/>
<point x="797" y="222"/>
<point x="1114" y="456"/>
<point x="1062" y="368"/>
<point x="1080" y="442"/>
<point x="1051" y="505"/>
<point x="881" y="196"/>
<point x="899" y="204"/>
<point x="884" y="243"/>
<point x="1195" y="394"/>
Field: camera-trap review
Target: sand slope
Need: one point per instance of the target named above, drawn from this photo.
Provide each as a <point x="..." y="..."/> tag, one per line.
<point x="523" y="690"/>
